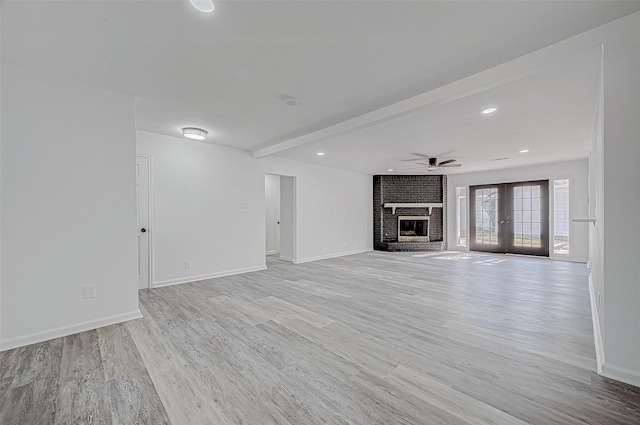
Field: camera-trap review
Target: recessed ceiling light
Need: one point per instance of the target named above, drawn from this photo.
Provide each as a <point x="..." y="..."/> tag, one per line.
<point x="390" y="169"/>
<point x="524" y="151"/>
<point x="489" y="110"/>
<point x="320" y="154"/>
<point x="203" y="5"/>
<point x="194" y="133"/>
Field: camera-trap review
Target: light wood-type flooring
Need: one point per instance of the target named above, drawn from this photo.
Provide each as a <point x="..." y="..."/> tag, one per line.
<point x="375" y="338"/>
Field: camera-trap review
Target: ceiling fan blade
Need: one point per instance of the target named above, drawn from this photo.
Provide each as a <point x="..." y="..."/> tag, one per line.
<point x="450" y="165"/>
<point x="413" y="168"/>
<point x="445" y="154"/>
<point x="419" y="156"/>
<point x="448" y="161"/>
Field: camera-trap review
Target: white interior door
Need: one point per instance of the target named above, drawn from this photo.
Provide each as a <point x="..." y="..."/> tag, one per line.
<point x="277" y="217"/>
<point x="142" y="196"/>
<point x="287" y="218"/>
<point x="272" y="214"/>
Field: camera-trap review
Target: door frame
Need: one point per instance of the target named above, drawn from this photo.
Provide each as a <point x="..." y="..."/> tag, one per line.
<point x="151" y="227"/>
<point x="505" y="229"/>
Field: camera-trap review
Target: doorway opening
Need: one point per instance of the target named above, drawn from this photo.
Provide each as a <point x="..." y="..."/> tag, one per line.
<point x="280" y="218"/>
<point x="510" y="218"/>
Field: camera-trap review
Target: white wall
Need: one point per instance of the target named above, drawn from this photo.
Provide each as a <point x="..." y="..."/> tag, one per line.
<point x="208" y="209"/>
<point x="68" y="207"/>
<point x="575" y="171"/>
<point x="200" y="192"/>
<point x="334" y="209"/>
<point x="596" y="232"/>
<point x="0" y="176"/>
<point x="621" y="201"/>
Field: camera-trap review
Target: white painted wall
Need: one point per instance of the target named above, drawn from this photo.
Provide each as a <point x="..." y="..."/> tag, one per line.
<point x="68" y="207"/>
<point x="621" y="200"/>
<point x="199" y="193"/>
<point x="0" y="175"/>
<point x="596" y="232"/>
<point x="287" y="217"/>
<point x="272" y="213"/>
<point x="208" y="209"/>
<point x="334" y="209"/>
<point x="575" y="171"/>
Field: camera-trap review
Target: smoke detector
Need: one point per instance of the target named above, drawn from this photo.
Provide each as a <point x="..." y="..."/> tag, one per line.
<point x="289" y="100"/>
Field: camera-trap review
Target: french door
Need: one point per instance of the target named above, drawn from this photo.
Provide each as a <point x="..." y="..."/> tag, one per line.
<point x="510" y="218"/>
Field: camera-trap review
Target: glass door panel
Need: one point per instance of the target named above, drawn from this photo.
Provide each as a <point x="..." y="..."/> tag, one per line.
<point x="484" y="211"/>
<point x="487" y="216"/>
<point x="529" y="228"/>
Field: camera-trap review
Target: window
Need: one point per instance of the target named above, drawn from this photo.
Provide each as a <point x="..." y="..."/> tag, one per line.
<point x="461" y="216"/>
<point x="561" y="217"/>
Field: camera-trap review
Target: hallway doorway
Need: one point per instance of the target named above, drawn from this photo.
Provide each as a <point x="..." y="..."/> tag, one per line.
<point x="280" y="218"/>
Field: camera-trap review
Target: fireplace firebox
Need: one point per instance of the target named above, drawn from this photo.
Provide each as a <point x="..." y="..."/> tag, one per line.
<point x="413" y="229"/>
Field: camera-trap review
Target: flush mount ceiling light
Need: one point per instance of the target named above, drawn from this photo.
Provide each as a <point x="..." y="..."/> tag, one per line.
<point x="194" y="133"/>
<point x="390" y="170"/>
<point x="320" y="153"/>
<point x="489" y="111"/>
<point x="203" y="5"/>
<point x="524" y="151"/>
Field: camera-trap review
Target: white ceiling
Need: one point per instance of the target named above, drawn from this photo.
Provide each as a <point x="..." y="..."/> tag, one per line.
<point x="550" y="113"/>
<point x="227" y="71"/>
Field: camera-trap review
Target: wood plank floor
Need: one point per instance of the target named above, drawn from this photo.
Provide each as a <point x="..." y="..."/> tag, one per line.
<point x="375" y="338"/>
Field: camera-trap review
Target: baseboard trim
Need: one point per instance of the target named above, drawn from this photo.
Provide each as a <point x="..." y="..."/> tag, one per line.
<point x="597" y="335"/>
<point x="325" y="257"/>
<point x="621" y="374"/>
<point x="207" y="276"/>
<point x="569" y="259"/>
<point x="47" y="335"/>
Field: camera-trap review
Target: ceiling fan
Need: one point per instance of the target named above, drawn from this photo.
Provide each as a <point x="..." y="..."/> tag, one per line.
<point x="433" y="163"/>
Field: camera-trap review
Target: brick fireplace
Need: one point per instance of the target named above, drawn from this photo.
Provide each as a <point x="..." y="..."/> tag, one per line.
<point x="409" y="213"/>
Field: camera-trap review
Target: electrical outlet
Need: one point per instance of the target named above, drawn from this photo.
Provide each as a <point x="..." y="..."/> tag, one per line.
<point x="187" y="264"/>
<point x="89" y="291"/>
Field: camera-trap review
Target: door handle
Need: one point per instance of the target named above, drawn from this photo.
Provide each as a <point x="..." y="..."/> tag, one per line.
<point x="501" y="221"/>
<point x="143" y="230"/>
